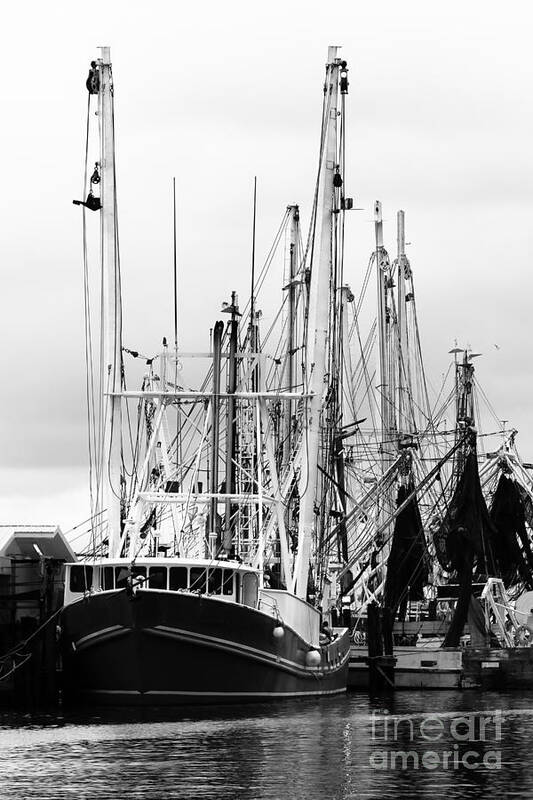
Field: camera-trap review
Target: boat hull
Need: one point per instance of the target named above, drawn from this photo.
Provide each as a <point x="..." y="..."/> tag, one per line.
<point x="495" y="669"/>
<point x="163" y="648"/>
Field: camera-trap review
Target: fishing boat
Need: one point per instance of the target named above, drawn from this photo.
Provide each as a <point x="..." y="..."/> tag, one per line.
<point x="210" y="576"/>
<point x="421" y="497"/>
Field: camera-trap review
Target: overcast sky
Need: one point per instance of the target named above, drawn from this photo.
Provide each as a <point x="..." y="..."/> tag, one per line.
<point x="440" y="123"/>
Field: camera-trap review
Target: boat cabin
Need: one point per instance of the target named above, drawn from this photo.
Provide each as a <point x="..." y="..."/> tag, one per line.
<point x="225" y="580"/>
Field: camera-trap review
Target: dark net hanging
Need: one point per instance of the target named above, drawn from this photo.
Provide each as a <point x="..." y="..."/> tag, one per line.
<point x="467" y="529"/>
<point x="511" y="547"/>
<point x="407" y="565"/>
<point x="463" y="542"/>
<point x="527" y="504"/>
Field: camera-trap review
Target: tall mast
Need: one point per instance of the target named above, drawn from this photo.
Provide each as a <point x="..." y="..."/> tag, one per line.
<point x="387" y="382"/>
<point x="293" y="266"/>
<point x="465" y="418"/>
<point x="346" y="297"/>
<point x="253" y="342"/>
<point x="112" y="313"/>
<point x="382" y="277"/>
<point x="318" y="324"/>
<point x="231" y="426"/>
<point x="402" y="328"/>
<point x="294" y="212"/>
<point x="215" y="428"/>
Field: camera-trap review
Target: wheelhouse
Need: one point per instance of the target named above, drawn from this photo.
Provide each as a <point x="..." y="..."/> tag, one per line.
<point x="225" y="580"/>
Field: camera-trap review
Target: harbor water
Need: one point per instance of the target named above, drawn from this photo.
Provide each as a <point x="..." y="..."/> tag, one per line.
<point x="435" y="745"/>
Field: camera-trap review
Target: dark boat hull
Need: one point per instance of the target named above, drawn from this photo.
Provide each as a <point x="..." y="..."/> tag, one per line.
<point x="495" y="669"/>
<point x="163" y="648"/>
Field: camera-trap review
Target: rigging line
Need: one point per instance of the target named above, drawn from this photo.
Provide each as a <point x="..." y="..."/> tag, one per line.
<point x="79" y="524"/>
<point x="202" y="444"/>
<point x="487" y="401"/>
<point x="387" y="477"/>
<point x="99" y="457"/>
<point x="84" y="533"/>
<point x="310" y="250"/>
<point x="363" y="361"/>
<point x="362" y="364"/>
<point x="90" y="383"/>
<point x="430" y="477"/>
<point x="193" y="411"/>
<point x="108" y="458"/>
<point x="266" y="265"/>
<point x="86" y="299"/>
<point x="136" y="453"/>
<point x="366" y="281"/>
<point x="374" y="464"/>
<point x="477" y="412"/>
<point x="443" y="384"/>
<point x="326" y="103"/>
<point x="347" y="394"/>
<point x="310" y="246"/>
<point x="130" y="435"/>
<point x="117" y="328"/>
<point x="419" y="349"/>
<point x="361" y="551"/>
<point x="118" y="310"/>
<point x="271" y="253"/>
<point x="449" y="401"/>
<point x="269" y="332"/>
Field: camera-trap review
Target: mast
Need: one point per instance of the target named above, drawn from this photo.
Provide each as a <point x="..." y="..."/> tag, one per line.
<point x="112" y="312"/>
<point x="231" y="426"/>
<point x="385" y="503"/>
<point x="382" y="276"/>
<point x="294" y="212"/>
<point x="215" y="426"/>
<point x="346" y="297"/>
<point x="318" y="324"/>
<point x="402" y="328"/>
<point x="464" y="382"/>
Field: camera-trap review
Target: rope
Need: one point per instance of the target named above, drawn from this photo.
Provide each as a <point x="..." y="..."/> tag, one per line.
<point x="22" y="645"/>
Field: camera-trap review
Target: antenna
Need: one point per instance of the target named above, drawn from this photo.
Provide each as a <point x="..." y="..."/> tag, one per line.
<point x="252" y="303"/>
<point x="175" y="271"/>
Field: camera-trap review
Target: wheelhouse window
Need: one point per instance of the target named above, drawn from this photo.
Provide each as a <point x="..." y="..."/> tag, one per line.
<point x="214" y="581"/>
<point x="157" y="578"/>
<point x="227" y="582"/>
<point x="121" y="576"/>
<point x="81" y="578"/>
<point x="197" y="580"/>
<point x="107" y="578"/>
<point x="177" y="578"/>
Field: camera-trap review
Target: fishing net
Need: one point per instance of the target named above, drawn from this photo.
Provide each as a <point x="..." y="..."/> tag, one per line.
<point x="513" y="562"/>
<point x="464" y="541"/>
<point x="407" y="565"/>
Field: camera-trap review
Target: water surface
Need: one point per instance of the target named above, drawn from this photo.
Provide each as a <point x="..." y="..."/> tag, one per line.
<point x="347" y="747"/>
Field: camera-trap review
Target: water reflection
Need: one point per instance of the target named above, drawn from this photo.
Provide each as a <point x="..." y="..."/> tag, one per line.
<point x="303" y="749"/>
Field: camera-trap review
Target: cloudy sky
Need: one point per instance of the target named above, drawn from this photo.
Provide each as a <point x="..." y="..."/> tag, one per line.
<point x="440" y="124"/>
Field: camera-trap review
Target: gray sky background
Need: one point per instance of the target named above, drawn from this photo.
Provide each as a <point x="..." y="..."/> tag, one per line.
<point x="440" y="124"/>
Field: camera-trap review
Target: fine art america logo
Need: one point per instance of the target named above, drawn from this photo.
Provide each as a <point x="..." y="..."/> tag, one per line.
<point x="436" y="742"/>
